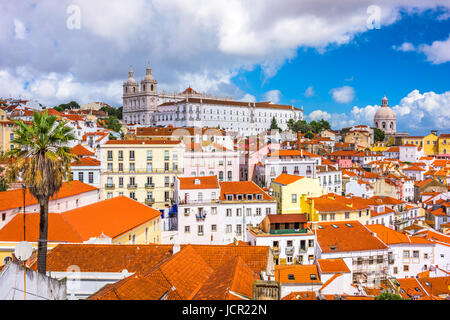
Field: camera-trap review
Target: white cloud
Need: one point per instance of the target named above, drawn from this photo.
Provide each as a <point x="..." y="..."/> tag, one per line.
<point x="415" y="112"/>
<point x="248" y="98"/>
<point x="19" y="29"/>
<point x="199" y="38"/>
<point x="273" y="95"/>
<point x="344" y="94"/>
<point x="405" y="47"/>
<point x="438" y="52"/>
<point x="309" y="92"/>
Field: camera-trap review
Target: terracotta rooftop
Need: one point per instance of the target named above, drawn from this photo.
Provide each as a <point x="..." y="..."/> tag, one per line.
<point x="209" y="182"/>
<point x="286" y="179"/>
<point x="332" y="266"/>
<point x="340" y="237"/>
<point x="81" y="151"/>
<point x="304" y="274"/>
<point x="241" y="188"/>
<point x="14" y="198"/>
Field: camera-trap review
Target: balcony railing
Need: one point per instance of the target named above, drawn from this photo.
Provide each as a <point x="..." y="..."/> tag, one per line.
<point x="109" y="186"/>
<point x="149" y="186"/>
<point x="287" y="231"/>
<point x="132" y="186"/>
<point x="206" y="201"/>
<point x="149" y="201"/>
<point x="289" y="250"/>
<point x="276" y="251"/>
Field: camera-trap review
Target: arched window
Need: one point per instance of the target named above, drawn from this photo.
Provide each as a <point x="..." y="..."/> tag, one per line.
<point x="134" y="89"/>
<point x="151" y="87"/>
<point x="143" y="87"/>
<point x="384" y="125"/>
<point x="391" y="125"/>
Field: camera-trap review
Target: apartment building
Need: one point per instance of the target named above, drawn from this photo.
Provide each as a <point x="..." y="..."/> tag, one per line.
<point x="210" y="212"/>
<point x="287" y="190"/>
<point x="143" y="170"/>
<point x="294" y="162"/>
<point x="366" y="257"/>
<point x="288" y="236"/>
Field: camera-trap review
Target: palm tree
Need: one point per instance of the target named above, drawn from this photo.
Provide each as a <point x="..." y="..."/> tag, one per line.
<point x="42" y="160"/>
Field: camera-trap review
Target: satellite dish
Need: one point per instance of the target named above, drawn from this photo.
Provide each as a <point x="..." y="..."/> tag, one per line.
<point x="23" y="251"/>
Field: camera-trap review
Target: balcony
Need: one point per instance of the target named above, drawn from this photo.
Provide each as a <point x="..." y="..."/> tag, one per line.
<point x="302" y="250"/>
<point x="149" y="201"/>
<point x="288" y="231"/>
<point x="149" y="186"/>
<point x="132" y="186"/>
<point x="289" y="251"/>
<point x="276" y="251"/>
<point x="109" y="186"/>
<point x="200" y="216"/>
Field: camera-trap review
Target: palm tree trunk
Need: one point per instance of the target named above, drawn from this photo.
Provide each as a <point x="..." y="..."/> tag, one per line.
<point x="43" y="231"/>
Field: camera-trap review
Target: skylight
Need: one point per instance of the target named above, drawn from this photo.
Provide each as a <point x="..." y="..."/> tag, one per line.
<point x="291" y="277"/>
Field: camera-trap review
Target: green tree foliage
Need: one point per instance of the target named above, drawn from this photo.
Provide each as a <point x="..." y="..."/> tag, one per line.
<point x="42" y="160"/>
<point x="304" y="127"/>
<point x="111" y="123"/>
<point x="309" y="135"/>
<point x="111" y="111"/>
<point x="378" y="134"/>
<point x="274" y="125"/>
<point x="386" y="295"/>
<point x="65" y="106"/>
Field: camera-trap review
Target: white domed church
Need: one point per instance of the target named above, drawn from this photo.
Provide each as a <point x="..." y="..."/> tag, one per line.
<point x="385" y="119"/>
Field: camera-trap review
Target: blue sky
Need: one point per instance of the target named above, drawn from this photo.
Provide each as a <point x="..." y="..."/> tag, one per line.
<point x="369" y="64"/>
<point x="251" y="50"/>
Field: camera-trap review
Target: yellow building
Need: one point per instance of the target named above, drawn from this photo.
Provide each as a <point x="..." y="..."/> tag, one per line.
<point x="120" y="220"/>
<point x="144" y="170"/>
<point x="6" y="132"/>
<point x="429" y="143"/>
<point x="333" y="207"/>
<point x="444" y="143"/>
<point x="287" y="190"/>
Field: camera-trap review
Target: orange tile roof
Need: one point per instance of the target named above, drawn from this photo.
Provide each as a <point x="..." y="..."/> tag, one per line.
<point x="107" y="257"/>
<point x="332" y="266"/>
<point x="195" y="272"/>
<point x="241" y="187"/>
<point x="301" y="295"/>
<point x="414" y="168"/>
<point x="390" y="236"/>
<point x="335" y="203"/>
<point x="347" y="297"/>
<point x="14" y="198"/>
<point x="86" y="162"/>
<point x="292" y="153"/>
<point x="209" y="182"/>
<point x="286" y="218"/>
<point x="234" y="276"/>
<point x="108" y="217"/>
<point x="59" y="230"/>
<point x="80" y="151"/>
<point x="299" y="273"/>
<point x="436" y="285"/>
<point x="410" y="287"/>
<point x="286" y="179"/>
<point x="342" y="238"/>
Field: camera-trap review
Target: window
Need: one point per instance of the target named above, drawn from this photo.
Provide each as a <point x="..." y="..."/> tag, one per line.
<point x="110" y="166"/>
<point x="187" y="229"/>
<point x="120" y="155"/>
<point x="174" y="155"/>
<point x="110" y="155"/>
<point x="228" y="214"/>
<point x="213" y="227"/>
<point x="238" y="212"/>
<point x="132" y="195"/>
<point x="347" y="215"/>
<point x="405" y="254"/>
<point x="323" y="217"/>
<point x="268" y="211"/>
<point x="395" y="270"/>
<point x="91" y="177"/>
<point x="415" y="254"/>
<point x="294" y="198"/>
<point x="213" y="210"/>
<point x="166" y="196"/>
<point x="228" y="228"/>
<point x="166" y="155"/>
<point x="131" y="166"/>
<point x="200" y="229"/>
<point x="81" y="176"/>
<point x="3" y="216"/>
<point x="131" y="154"/>
<point x="249" y="212"/>
<point x="405" y="267"/>
<point x="258" y="211"/>
<point x="239" y="229"/>
<point x="311" y="243"/>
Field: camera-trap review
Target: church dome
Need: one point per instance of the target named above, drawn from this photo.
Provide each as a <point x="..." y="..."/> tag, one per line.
<point x="385" y="113"/>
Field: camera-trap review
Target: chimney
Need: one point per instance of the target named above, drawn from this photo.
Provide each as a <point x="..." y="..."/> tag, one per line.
<point x="176" y="248"/>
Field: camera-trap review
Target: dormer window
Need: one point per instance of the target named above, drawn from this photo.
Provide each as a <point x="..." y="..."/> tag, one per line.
<point x="249" y="197"/>
<point x="229" y="197"/>
<point x="259" y="196"/>
<point x="197" y="181"/>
